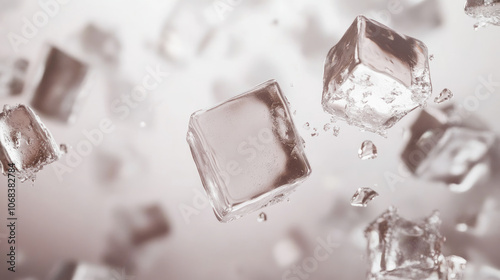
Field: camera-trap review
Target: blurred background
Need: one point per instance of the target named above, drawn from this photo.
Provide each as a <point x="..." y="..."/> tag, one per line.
<point x="139" y="179"/>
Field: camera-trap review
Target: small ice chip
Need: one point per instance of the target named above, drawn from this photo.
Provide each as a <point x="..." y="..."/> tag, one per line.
<point x="248" y="151"/>
<point x="63" y="148"/>
<point x="431" y="57"/>
<point x="25" y="141"/>
<point x="401" y="249"/>
<point x="315" y="132"/>
<point x="368" y="150"/>
<point x="336" y="131"/>
<point x="455" y="267"/>
<point x="363" y="196"/>
<point x="307" y="126"/>
<point x="374" y="76"/>
<point x="327" y="127"/>
<point x="445" y="95"/>
<point x="262" y="217"/>
<point x="486" y="12"/>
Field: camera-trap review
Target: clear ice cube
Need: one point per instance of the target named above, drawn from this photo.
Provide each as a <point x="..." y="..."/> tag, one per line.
<point x="451" y="146"/>
<point x="374" y="76"/>
<point x="487" y="12"/>
<point x="401" y="249"/>
<point x="248" y="151"/>
<point x="368" y="150"/>
<point x="445" y="95"/>
<point x="25" y="141"/>
<point x="363" y="196"/>
<point x="60" y="88"/>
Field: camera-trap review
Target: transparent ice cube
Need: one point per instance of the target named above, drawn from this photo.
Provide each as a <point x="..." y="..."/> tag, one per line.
<point x="25" y="142"/>
<point x="485" y="11"/>
<point x="60" y="88"/>
<point x="401" y="249"/>
<point x="248" y="151"/>
<point x="449" y="145"/>
<point x="374" y="76"/>
<point x="363" y="196"/>
<point x="368" y="150"/>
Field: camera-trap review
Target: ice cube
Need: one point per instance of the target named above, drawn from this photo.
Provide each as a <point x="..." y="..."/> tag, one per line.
<point x="449" y="145"/>
<point x="403" y="249"/>
<point x="60" y="88"/>
<point x="368" y="150"/>
<point x="100" y="43"/>
<point x="445" y="95"/>
<point x="12" y="76"/>
<point x="485" y="11"/>
<point x="374" y="76"/>
<point x="248" y="151"/>
<point x="363" y="196"/>
<point x="455" y="267"/>
<point x="143" y="224"/>
<point x="84" y="271"/>
<point x="290" y="249"/>
<point x="25" y="142"/>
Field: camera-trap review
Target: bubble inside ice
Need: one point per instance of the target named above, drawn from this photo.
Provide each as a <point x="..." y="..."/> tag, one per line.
<point x="25" y="141"/>
<point x="486" y="12"/>
<point x="401" y="249"/>
<point x="445" y="95"/>
<point x="368" y="150"/>
<point x="374" y="76"/>
<point x="363" y="196"/>
<point x="248" y="151"/>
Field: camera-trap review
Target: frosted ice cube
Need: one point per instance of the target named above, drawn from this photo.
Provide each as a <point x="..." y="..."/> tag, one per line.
<point x="485" y="11"/>
<point x="374" y="76"/>
<point x="363" y="196"/>
<point x="402" y="249"/>
<point x="25" y="142"/>
<point x="60" y="88"/>
<point x="449" y="145"/>
<point x="248" y="151"/>
<point x="368" y="150"/>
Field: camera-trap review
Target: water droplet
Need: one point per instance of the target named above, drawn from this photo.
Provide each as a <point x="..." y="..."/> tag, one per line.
<point x="363" y="196"/>
<point x="445" y="95"/>
<point x="315" y="132"/>
<point x="431" y="57"/>
<point x="368" y="150"/>
<point x="262" y="217"/>
<point x="336" y="131"/>
<point x="327" y="127"/>
<point x="307" y="126"/>
<point x="63" y="148"/>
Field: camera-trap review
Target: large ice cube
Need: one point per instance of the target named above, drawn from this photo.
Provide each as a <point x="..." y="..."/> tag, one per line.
<point x="25" y="142"/>
<point x="248" y="151"/>
<point x="485" y="11"/>
<point x="61" y="86"/>
<point x="449" y="145"/>
<point x="402" y="249"/>
<point x="374" y="76"/>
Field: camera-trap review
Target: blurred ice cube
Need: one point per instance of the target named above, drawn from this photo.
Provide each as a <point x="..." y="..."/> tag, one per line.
<point x="60" y="88"/>
<point x="12" y="76"/>
<point x="402" y="249"/>
<point x="450" y="146"/>
<point x="25" y="142"/>
<point x="101" y="43"/>
<point x="363" y="196"/>
<point x="83" y="271"/>
<point x="142" y="225"/>
<point x="485" y="11"/>
<point x="374" y="76"/>
<point x="248" y="152"/>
